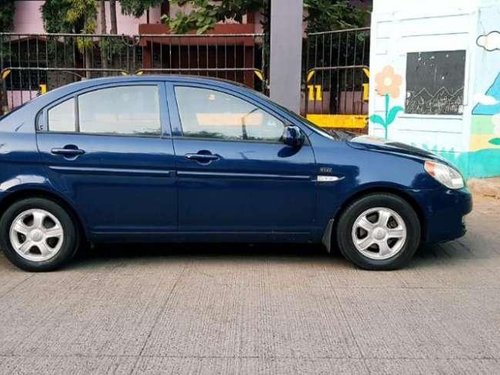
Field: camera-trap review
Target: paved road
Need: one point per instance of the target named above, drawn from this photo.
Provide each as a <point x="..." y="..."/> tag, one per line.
<point x="252" y="310"/>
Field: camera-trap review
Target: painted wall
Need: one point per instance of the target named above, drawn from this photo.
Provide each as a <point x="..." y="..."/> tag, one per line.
<point x="453" y="106"/>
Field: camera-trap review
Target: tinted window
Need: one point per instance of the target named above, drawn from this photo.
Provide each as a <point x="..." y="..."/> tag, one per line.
<point x="62" y="117"/>
<point x="132" y="110"/>
<point x="208" y="113"/>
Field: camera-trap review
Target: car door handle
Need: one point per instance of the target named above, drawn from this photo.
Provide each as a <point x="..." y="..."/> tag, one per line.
<point x="202" y="158"/>
<point x="67" y="151"/>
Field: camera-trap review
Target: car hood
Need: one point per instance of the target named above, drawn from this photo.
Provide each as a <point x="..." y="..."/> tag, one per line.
<point x="382" y="145"/>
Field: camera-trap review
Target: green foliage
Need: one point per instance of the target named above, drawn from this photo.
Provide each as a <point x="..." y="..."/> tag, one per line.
<point x="206" y="14"/>
<point x="54" y="16"/>
<point x="137" y="8"/>
<point x="7" y="11"/>
<point x="323" y="15"/>
<point x="495" y="141"/>
<point x="69" y="16"/>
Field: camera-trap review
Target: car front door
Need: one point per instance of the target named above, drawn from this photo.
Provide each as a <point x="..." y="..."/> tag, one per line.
<point x="110" y="150"/>
<point x="234" y="173"/>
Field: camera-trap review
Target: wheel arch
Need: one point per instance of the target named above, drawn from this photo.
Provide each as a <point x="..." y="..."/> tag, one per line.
<point x="401" y="193"/>
<point x="33" y="192"/>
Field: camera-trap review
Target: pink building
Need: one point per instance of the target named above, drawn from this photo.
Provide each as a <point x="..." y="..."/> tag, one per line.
<point x="30" y="49"/>
<point x="28" y="18"/>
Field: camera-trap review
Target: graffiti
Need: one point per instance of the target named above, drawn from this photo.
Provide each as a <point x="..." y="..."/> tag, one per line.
<point x="435" y="82"/>
<point x="442" y="102"/>
<point x="387" y="85"/>
<point x="490" y="42"/>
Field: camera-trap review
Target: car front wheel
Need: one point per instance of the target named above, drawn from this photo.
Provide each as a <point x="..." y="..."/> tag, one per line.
<point x="37" y="234"/>
<point x="379" y="232"/>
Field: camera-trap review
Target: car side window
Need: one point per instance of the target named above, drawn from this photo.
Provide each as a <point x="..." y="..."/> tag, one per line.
<point x="206" y="113"/>
<point x="62" y="117"/>
<point x="127" y="110"/>
<point x="123" y="110"/>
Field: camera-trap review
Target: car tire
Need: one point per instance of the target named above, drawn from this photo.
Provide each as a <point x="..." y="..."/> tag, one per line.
<point x="378" y="232"/>
<point x="38" y="235"/>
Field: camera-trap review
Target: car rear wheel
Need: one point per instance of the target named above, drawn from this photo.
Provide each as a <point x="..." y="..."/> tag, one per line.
<point x="379" y="232"/>
<point x="37" y="234"/>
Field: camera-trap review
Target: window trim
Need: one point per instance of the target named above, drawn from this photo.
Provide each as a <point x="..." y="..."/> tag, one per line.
<point x="165" y="128"/>
<point x="176" y="120"/>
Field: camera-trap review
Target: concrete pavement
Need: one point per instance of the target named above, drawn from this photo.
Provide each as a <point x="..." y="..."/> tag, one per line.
<point x="258" y="310"/>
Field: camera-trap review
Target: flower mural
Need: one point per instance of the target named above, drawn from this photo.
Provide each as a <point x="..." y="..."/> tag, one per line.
<point x="387" y="84"/>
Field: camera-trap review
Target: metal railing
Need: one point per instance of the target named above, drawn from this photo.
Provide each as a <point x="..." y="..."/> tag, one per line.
<point x="336" y="70"/>
<point x="335" y="65"/>
<point x="31" y="61"/>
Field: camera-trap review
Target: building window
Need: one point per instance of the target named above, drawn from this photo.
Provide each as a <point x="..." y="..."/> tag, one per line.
<point x="435" y="82"/>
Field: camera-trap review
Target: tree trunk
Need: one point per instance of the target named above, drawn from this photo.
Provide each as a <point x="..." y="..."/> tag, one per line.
<point x="112" y="16"/>
<point x="88" y="62"/>
<point x="104" y="42"/>
<point x="113" y="30"/>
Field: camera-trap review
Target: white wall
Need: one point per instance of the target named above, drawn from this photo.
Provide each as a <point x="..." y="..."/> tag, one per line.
<point x="403" y="26"/>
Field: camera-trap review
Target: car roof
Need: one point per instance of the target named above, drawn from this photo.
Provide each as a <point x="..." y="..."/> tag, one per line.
<point x="86" y="83"/>
<point x="96" y="82"/>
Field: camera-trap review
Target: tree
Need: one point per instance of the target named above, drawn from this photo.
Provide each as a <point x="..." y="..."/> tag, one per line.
<point x="69" y="16"/>
<point x="104" y="50"/>
<point x="112" y="17"/>
<point x="206" y="14"/>
<point x="325" y="15"/>
<point x="7" y="11"/>
<point x="72" y="16"/>
<point x="137" y="8"/>
<point x="322" y="15"/>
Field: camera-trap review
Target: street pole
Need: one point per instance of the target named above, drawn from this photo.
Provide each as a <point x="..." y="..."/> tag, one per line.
<point x="286" y="52"/>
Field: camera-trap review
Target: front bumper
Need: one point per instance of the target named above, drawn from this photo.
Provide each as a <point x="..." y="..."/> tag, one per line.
<point x="444" y="211"/>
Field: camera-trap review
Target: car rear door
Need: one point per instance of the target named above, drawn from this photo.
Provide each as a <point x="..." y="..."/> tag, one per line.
<point x="234" y="174"/>
<point x="110" y="150"/>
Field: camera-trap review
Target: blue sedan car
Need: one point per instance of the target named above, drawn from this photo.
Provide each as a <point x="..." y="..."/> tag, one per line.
<point x="192" y="159"/>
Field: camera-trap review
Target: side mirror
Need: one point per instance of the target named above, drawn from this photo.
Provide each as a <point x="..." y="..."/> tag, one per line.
<point x="293" y="136"/>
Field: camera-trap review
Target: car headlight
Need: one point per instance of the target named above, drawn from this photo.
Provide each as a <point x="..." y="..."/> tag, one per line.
<point x="449" y="177"/>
